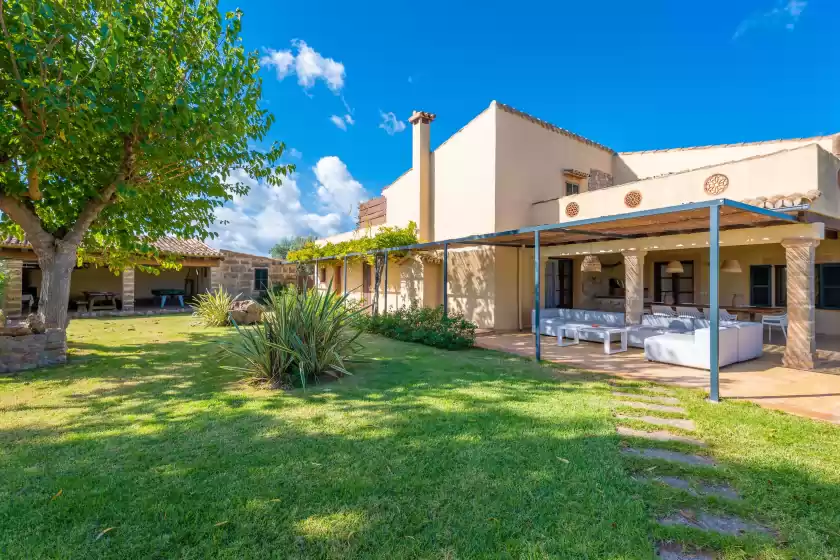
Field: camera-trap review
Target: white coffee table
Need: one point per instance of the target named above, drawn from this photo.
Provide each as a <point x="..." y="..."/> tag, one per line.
<point x="607" y="333"/>
<point x="561" y="329"/>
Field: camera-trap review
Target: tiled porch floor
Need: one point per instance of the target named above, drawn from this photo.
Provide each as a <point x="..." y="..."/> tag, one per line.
<point x="815" y="394"/>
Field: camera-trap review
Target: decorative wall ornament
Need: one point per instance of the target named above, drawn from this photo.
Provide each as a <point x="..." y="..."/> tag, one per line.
<point x="632" y="199"/>
<point x="716" y="184"/>
<point x="572" y="209"/>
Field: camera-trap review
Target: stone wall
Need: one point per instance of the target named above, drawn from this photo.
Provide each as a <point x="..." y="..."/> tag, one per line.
<point x="236" y="273"/>
<point x="14" y="288"/>
<point x="31" y="351"/>
<point x="599" y="179"/>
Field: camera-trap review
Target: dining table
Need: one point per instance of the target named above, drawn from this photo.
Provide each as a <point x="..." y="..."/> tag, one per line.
<point x="753" y="310"/>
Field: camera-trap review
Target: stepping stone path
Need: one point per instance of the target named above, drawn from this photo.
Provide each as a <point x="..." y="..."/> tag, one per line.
<point x="651" y="398"/>
<point x="687" y="425"/>
<point x="652" y="406"/>
<point x="659" y="435"/>
<point x="700" y="489"/>
<point x="663" y="401"/>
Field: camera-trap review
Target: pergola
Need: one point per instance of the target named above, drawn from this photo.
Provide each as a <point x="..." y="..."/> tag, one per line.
<point x="710" y="216"/>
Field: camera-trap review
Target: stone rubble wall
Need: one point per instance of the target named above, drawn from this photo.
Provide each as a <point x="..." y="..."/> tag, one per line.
<point x="599" y="179"/>
<point x="18" y="353"/>
<point x="236" y="273"/>
<point x="14" y="288"/>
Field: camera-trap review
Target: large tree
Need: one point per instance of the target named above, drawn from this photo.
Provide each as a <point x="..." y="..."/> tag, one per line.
<point x="283" y="247"/>
<point x="120" y="123"/>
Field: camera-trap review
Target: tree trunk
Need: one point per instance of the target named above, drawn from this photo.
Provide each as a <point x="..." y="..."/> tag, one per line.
<point x="56" y="267"/>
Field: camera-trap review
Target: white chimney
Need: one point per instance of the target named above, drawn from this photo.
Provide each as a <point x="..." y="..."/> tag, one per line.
<point x="421" y="157"/>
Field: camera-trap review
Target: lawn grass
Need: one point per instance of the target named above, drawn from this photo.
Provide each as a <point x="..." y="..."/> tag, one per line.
<point x="423" y="453"/>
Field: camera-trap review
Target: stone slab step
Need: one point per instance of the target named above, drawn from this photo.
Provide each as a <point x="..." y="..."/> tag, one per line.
<point x="666" y="455"/>
<point x="723" y="524"/>
<point x="658" y="435"/>
<point x="699" y="489"/>
<point x="651" y="398"/>
<point x="653" y="406"/>
<point x="680" y="423"/>
<point x="674" y="551"/>
<point x="651" y="389"/>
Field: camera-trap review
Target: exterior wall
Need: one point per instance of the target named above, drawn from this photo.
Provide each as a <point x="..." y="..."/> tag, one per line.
<point x="145" y="282"/>
<point x="403" y="197"/>
<point x="472" y="285"/>
<point x="631" y="166"/>
<point x="237" y="273"/>
<point x="32" y="351"/>
<point x="12" y="303"/>
<point x="464" y="179"/>
<point x="530" y="161"/>
<point x="782" y="173"/>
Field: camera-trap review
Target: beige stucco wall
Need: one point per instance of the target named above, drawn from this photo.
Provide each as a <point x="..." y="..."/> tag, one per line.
<point x="463" y="178"/>
<point x="630" y="166"/>
<point x="403" y="197"/>
<point x="782" y="173"/>
<point x="530" y="160"/>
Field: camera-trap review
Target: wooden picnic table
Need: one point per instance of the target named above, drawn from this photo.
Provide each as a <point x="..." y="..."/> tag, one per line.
<point x="110" y="299"/>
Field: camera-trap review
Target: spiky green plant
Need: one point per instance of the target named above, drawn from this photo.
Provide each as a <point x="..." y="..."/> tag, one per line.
<point x="212" y="309"/>
<point x="301" y="337"/>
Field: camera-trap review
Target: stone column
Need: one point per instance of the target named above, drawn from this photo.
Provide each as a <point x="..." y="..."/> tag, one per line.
<point x="801" y="334"/>
<point x="215" y="278"/>
<point x="14" y="288"/>
<point x="634" y="286"/>
<point x="128" y="289"/>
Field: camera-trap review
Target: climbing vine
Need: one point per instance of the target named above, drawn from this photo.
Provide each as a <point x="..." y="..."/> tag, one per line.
<point x="385" y="237"/>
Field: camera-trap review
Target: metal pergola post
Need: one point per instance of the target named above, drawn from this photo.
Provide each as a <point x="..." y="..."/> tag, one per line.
<point x="446" y="279"/>
<point x="386" y="281"/>
<point x="714" y="303"/>
<point x="344" y="272"/>
<point x="537" y="294"/>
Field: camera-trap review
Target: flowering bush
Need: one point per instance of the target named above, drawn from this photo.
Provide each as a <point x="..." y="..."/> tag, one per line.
<point x="425" y="325"/>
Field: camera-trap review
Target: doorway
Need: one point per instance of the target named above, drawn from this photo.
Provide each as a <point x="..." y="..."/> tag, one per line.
<point x="559" y="283"/>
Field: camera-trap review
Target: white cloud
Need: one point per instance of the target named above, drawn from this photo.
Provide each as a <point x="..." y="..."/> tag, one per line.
<point x="267" y="213"/>
<point x="785" y="14"/>
<point x="295" y="153"/>
<point x="339" y="122"/>
<point x="390" y="123"/>
<point x="308" y="64"/>
<point x="337" y="190"/>
<point x="342" y="122"/>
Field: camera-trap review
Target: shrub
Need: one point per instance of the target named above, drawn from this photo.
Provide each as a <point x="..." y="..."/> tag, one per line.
<point x="425" y="325"/>
<point x="302" y="336"/>
<point x="212" y="309"/>
<point x="276" y="289"/>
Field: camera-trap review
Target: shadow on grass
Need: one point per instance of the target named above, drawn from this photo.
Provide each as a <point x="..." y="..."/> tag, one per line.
<point x="423" y="453"/>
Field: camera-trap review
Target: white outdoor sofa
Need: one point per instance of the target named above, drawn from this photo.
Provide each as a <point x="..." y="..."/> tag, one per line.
<point x="673" y="340"/>
<point x="738" y="342"/>
<point x="652" y="325"/>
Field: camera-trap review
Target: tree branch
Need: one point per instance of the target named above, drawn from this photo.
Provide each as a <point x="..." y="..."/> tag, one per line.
<point x="26" y="218"/>
<point x="105" y="197"/>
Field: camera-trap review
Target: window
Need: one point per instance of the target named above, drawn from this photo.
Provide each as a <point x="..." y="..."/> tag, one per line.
<point x="781" y="285"/>
<point x="828" y="286"/>
<point x="559" y="283"/>
<point x="760" y="293"/>
<point x="672" y="288"/>
<point x="572" y="188"/>
<point x="261" y="279"/>
<point x="322" y="275"/>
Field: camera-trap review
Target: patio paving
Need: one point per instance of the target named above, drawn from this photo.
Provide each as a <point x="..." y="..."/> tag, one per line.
<point x="764" y="381"/>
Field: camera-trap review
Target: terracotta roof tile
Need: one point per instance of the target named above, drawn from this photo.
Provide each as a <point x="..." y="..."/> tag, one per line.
<point x="168" y="245"/>
<point x="554" y="128"/>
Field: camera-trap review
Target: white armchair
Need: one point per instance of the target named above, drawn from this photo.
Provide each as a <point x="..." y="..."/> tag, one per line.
<point x="663" y="311"/>
<point x="771" y="321"/>
<point x="723" y="314"/>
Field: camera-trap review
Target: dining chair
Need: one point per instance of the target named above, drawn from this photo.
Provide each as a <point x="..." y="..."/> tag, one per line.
<point x="771" y="321"/>
<point x="722" y="313"/>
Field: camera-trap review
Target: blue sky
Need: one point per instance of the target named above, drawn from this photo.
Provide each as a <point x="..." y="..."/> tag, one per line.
<point x="343" y="77"/>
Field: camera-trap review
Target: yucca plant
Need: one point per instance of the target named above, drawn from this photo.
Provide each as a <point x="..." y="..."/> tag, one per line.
<point x="212" y="309"/>
<point x="302" y="336"/>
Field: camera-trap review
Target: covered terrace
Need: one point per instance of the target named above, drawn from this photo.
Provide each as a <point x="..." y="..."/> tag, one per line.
<point x="632" y="235"/>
